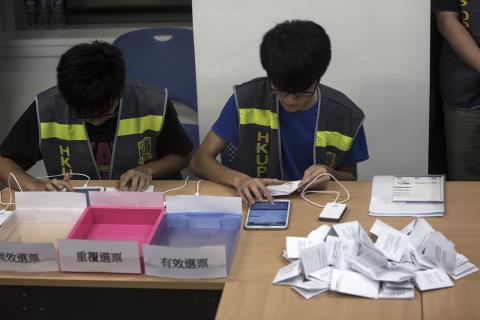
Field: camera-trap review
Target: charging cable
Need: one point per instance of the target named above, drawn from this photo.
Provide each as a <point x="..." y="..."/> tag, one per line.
<point x="198" y="187"/>
<point x="9" y="183"/>
<point x="178" y="188"/>
<point x="305" y="191"/>
<point x="72" y="174"/>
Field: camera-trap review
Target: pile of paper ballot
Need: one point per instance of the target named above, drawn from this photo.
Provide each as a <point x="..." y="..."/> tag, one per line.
<point x="343" y="258"/>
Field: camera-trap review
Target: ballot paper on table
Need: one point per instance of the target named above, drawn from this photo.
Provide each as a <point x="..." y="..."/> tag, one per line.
<point x="324" y="275"/>
<point x="314" y="258"/>
<point x="396" y="293"/>
<point x="320" y="233"/>
<point x="283" y="189"/>
<point x="463" y="267"/>
<point x="353" y="283"/>
<point x="382" y="204"/>
<point x="289" y="275"/>
<point x="392" y="243"/>
<point x="296" y="244"/>
<point x="418" y="189"/>
<point x="432" y="279"/>
<point x="338" y="249"/>
<point x="440" y="251"/>
<point x="311" y="288"/>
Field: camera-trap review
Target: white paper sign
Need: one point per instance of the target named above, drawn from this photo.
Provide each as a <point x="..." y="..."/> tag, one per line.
<point x="187" y="263"/>
<point x="99" y="256"/>
<point x="27" y="257"/>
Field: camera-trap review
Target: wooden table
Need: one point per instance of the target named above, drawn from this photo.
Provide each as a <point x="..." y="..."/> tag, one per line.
<point x="249" y="294"/>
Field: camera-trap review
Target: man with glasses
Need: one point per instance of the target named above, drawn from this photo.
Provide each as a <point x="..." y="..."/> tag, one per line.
<point x="286" y="126"/>
<point x="96" y="123"/>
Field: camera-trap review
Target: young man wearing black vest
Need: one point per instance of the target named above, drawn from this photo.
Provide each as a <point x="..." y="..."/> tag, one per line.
<point x="97" y="123"/>
<point x="286" y="126"/>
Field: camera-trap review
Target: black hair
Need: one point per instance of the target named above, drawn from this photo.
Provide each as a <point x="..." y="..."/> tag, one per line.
<point x="90" y="77"/>
<point x="295" y="54"/>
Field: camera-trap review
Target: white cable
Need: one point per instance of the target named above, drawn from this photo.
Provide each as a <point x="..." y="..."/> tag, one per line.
<point x="198" y="187"/>
<point x="10" y="202"/>
<point x="305" y="191"/>
<point x="71" y="173"/>
<point x="178" y="188"/>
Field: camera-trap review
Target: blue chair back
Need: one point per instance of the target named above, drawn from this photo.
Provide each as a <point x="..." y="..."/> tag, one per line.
<point x="166" y="57"/>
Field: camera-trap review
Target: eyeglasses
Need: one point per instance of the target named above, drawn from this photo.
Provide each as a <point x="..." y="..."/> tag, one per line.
<point x="300" y="94"/>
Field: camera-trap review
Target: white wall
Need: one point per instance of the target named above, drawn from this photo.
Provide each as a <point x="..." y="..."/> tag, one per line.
<point x="380" y="60"/>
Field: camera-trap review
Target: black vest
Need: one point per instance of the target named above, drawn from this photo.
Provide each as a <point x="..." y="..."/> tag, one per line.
<point x="64" y="142"/>
<point x="259" y="146"/>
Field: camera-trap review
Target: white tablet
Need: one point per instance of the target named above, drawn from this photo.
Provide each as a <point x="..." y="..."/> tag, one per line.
<point x="265" y="215"/>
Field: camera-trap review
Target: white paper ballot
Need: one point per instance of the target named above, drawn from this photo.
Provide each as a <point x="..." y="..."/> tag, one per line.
<point x="296" y="244"/>
<point x="408" y="228"/>
<point x="419" y="234"/>
<point x="283" y="189"/>
<point x="314" y="258"/>
<point x="310" y="289"/>
<point x="337" y="248"/>
<point x="418" y="189"/>
<point x="392" y="244"/>
<point x="320" y="233"/>
<point x="353" y="283"/>
<point x="324" y="275"/>
<point x="464" y="270"/>
<point x="398" y="285"/>
<point x="348" y="230"/>
<point x="432" y="279"/>
<point x="381" y="203"/>
<point x="396" y="293"/>
<point x="441" y="251"/>
<point x="380" y="227"/>
<point x="289" y="275"/>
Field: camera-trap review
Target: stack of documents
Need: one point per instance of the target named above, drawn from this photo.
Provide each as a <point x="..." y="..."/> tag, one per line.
<point x="343" y="258"/>
<point x="407" y="196"/>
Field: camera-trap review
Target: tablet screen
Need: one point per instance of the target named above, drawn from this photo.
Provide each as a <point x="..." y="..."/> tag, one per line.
<point x="264" y="214"/>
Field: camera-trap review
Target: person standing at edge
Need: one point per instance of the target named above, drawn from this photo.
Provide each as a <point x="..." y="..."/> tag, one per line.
<point x="97" y="123"/>
<point x="286" y="126"/>
<point x="459" y="24"/>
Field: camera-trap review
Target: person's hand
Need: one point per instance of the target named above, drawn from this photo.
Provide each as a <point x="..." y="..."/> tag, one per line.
<point x="311" y="173"/>
<point x="52" y="185"/>
<point x="255" y="189"/>
<point x="136" y="179"/>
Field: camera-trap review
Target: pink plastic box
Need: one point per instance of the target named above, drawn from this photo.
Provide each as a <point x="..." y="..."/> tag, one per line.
<point x="108" y="223"/>
<point x="118" y="224"/>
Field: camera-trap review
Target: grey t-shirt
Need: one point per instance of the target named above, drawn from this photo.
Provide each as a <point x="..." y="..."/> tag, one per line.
<point x="460" y="83"/>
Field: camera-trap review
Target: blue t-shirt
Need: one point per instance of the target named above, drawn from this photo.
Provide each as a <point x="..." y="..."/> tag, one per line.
<point x="296" y="134"/>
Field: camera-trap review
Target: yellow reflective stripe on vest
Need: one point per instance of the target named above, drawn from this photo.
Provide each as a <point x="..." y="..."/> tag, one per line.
<point x="139" y="125"/>
<point x="259" y="117"/>
<point x="70" y="132"/>
<point x="333" y="139"/>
